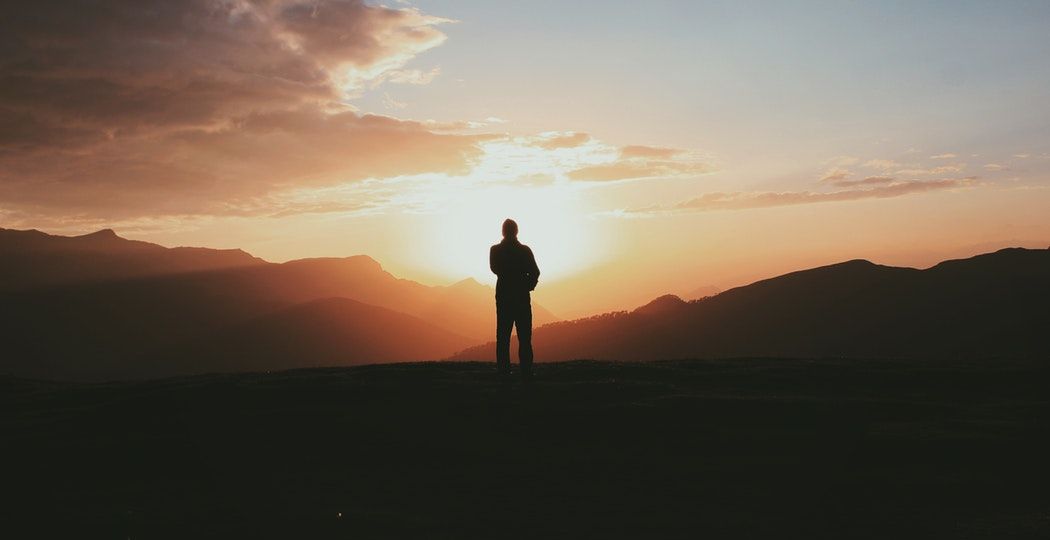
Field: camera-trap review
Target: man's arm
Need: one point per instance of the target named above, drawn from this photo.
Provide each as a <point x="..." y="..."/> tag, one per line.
<point x="534" y="271"/>
<point x="493" y="265"/>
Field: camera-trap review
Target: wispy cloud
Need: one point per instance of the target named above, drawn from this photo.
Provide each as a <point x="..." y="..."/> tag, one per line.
<point x="749" y="200"/>
<point x="407" y="76"/>
<point x="556" y="141"/>
<point x="638" y="161"/>
<point x="390" y="103"/>
<point x="883" y="164"/>
<point x="649" y="152"/>
<point x="868" y="181"/>
<point x="928" y="171"/>
<point x="836" y="175"/>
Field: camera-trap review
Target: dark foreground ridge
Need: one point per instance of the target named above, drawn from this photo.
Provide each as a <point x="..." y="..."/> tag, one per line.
<point x="728" y="448"/>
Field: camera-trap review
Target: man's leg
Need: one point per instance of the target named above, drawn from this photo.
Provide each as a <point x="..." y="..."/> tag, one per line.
<point x="504" y="323"/>
<point x="523" y="321"/>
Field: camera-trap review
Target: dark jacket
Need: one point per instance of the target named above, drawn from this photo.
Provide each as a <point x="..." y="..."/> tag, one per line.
<point x="516" y="267"/>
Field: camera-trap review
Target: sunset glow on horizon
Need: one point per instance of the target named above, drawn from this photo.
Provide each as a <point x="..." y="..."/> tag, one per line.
<point x="657" y="148"/>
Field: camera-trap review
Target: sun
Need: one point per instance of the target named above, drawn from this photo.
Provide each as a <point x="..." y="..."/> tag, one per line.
<point x="552" y="221"/>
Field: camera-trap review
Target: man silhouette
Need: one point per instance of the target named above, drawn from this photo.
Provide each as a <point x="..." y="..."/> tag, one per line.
<point x="518" y="274"/>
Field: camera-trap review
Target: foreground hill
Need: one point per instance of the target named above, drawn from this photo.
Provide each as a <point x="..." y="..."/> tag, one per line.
<point x="329" y="332"/>
<point x="990" y="306"/>
<point x="744" y="448"/>
<point x="105" y="307"/>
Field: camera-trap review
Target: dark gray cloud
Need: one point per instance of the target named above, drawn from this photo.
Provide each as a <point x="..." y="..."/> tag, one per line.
<point x="122" y="108"/>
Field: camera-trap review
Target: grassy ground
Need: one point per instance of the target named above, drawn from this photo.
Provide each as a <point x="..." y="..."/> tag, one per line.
<point x="741" y="448"/>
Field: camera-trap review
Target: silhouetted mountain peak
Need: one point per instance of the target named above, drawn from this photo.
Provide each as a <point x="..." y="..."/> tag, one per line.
<point x="104" y="233"/>
<point x="34" y="259"/>
<point x="664" y="304"/>
<point x="354" y="262"/>
<point x="1014" y="261"/>
<point x="468" y="284"/>
<point x="701" y="292"/>
<point x="853" y="263"/>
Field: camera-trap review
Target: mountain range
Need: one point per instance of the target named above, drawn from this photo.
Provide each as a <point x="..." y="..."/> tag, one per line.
<point x="995" y="305"/>
<point x="98" y="307"/>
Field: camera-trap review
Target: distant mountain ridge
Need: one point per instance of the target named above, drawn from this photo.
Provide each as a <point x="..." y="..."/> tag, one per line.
<point x="33" y="259"/>
<point x="99" y="306"/>
<point x="988" y="306"/>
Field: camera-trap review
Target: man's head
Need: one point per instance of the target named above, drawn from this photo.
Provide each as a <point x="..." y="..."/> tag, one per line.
<point x="510" y="229"/>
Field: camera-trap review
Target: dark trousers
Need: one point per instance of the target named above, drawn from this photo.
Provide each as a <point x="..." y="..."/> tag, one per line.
<point x="512" y="313"/>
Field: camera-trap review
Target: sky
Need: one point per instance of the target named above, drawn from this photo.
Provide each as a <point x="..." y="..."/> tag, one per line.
<point x="643" y="147"/>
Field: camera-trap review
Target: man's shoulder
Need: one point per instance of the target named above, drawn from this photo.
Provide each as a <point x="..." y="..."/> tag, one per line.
<point x="503" y="246"/>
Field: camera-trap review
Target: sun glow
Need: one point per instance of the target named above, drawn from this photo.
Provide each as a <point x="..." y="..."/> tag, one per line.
<point x="552" y="221"/>
<point x="518" y="180"/>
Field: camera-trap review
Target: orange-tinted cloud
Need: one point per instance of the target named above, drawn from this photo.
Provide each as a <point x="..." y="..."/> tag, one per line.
<point x="145" y="107"/>
<point x="632" y="169"/>
<point x="637" y="161"/>
<point x="747" y="200"/>
<point x="836" y="175"/>
<point x="884" y="164"/>
<point x="648" y="152"/>
<point x="569" y="140"/>
<point x="232" y="169"/>
<point x="868" y="181"/>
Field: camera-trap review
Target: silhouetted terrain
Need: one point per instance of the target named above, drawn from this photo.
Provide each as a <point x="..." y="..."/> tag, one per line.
<point x="743" y="448"/>
<point x="328" y="332"/>
<point x="104" y="307"/>
<point x="995" y="305"/>
<point x="32" y="259"/>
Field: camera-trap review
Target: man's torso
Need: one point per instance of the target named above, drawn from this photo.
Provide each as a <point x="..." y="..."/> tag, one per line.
<point x="515" y="262"/>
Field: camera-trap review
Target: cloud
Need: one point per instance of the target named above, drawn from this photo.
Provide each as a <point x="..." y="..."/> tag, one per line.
<point x="884" y="164"/>
<point x="869" y="181"/>
<point x="842" y="161"/>
<point x="996" y="167"/>
<point x="841" y="178"/>
<point x="632" y="168"/>
<point x="390" y="103"/>
<point x="240" y="166"/>
<point x="557" y="141"/>
<point x="938" y="170"/>
<point x="836" y="175"/>
<point x="637" y="161"/>
<point x="143" y="107"/>
<point x="944" y="156"/>
<point x="648" y="152"/>
<point x="749" y="200"/>
<point x="407" y="76"/>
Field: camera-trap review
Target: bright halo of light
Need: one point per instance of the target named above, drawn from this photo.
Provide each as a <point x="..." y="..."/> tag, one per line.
<point x="519" y="180"/>
<point x="551" y="219"/>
